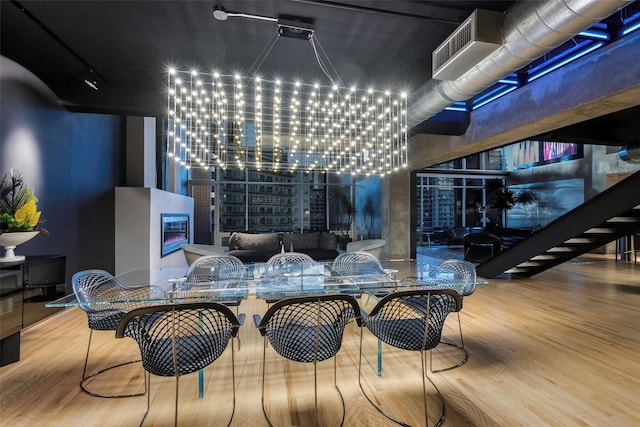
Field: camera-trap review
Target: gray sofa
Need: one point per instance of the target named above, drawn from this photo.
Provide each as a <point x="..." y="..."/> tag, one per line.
<point x="248" y="247"/>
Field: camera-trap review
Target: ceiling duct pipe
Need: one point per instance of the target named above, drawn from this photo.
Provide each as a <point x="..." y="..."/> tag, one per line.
<point x="630" y="153"/>
<point x="529" y="30"/>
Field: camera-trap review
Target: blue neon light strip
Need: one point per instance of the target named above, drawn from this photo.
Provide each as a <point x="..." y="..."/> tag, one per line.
<point x="595" y="34"/>
<point x="489" y="93"/>
<point x="631" y="28"/>
<point x="631" y="18"/>
<point x="457" y="106"/>
<point x="511" y="79"/>
<point x="506" y="91"/>
<point x="559" y="57"/>
<point x="454" y="108"/>
<point x="566" y="61"/>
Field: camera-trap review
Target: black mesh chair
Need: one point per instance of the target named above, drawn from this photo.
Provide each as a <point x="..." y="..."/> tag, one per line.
<point x="411" y="320"/>
<point x="309" y="330"/>
<point x="179" y="339"/>
<point x="100" y="285"/>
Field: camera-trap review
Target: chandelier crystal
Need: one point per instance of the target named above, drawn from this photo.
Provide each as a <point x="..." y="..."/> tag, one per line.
<point x="224" y="121"/>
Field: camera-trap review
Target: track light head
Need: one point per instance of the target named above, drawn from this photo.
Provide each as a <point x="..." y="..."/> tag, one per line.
<point x="219" y="13"/>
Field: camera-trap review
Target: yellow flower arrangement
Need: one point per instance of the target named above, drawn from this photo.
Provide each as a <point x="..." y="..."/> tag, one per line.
<point x="18" y="205"/>
<point x="28" y="214"/>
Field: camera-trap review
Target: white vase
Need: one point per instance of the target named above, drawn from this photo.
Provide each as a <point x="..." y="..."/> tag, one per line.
<point x="11" y="240"/>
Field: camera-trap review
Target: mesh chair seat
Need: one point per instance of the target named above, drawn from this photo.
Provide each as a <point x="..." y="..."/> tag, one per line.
<point x="179" y="339"/>
<point x="296" y="333"/>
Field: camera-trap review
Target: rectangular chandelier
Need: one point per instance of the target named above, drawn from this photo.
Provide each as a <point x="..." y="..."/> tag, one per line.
<point x="224" y="121"/>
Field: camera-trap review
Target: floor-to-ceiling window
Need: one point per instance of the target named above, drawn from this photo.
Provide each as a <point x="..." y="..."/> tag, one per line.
<point x="267" y="201"/>
<point x="453" y="194"/>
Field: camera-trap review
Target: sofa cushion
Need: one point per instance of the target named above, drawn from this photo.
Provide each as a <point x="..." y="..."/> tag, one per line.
<point x="319" y="254"/>
<point x="301" y="241"/>
<point x="252" y="255"/>
<point x="269" y="242"/>
<point x="328" y="241"/>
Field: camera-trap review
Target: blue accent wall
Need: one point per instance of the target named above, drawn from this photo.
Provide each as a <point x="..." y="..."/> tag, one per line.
<point x="72" y="160"/>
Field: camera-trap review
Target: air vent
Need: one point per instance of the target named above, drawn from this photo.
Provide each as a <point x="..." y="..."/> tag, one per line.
<point x="471" y="42"/>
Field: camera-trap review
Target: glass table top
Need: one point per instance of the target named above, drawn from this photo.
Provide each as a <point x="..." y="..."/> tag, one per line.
<point x="260" y="281"/>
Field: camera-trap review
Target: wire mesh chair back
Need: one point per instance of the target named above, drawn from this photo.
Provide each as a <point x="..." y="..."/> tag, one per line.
<point x="357" y="263"/>
<point x="179" y="339"/>
<point x="215" y="267"/>
<point x="287" y="260"/>
<point x="400" y="319"/>
<point x="100" y="285"/>
<point x="308" y="329"/>
<point x="466" y="271"/>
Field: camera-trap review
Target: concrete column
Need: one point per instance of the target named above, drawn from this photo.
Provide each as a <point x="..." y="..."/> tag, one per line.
<point x="398" y="220"/>
<point x="141" y="152"/>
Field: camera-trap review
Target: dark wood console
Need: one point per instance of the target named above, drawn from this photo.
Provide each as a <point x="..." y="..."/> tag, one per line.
<point x="25" y="287"/>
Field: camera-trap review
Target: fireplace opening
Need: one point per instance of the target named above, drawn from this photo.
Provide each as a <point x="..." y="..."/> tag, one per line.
<point x="174" y="233"/>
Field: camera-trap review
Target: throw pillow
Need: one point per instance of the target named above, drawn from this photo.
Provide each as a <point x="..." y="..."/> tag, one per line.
<point x="301" y="241"/>
<point x="328" y="241"/>
<point x="263" y="242"/>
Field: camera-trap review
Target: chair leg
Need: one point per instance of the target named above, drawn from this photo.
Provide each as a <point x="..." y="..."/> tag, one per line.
<point x="86" y="378"/>
<point x="233" y="382"/>
<point x="461" y="347"/>
<point x="389" y="417"/>
<point x="425" y="377"/>
<point x="147" y="385"/>
<point x="175" y="419"/>
<point x="264" y="363"/>
<point x="335" y="383"/>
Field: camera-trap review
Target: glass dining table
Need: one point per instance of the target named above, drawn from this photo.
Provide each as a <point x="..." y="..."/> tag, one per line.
<point x="264" y="282"/>
<point x="261" y="282"/>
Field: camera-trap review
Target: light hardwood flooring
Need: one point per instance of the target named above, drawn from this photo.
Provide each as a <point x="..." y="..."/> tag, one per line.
<point x="559" y="349"/>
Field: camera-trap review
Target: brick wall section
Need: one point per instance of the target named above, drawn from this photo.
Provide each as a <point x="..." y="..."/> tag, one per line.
<point x="202" y="233"/>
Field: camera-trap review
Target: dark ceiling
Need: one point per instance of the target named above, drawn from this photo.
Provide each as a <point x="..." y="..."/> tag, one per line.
<point x="131" y="44"/>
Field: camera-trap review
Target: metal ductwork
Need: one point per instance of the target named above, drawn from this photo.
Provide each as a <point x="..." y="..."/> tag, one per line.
<point x="529" y="29"/>
<point x="630" y="153"/>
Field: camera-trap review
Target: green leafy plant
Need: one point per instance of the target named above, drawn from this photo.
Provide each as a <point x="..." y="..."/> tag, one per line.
<point x="18" y="205"/>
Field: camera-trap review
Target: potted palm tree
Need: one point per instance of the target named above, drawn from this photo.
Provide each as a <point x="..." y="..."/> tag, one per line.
<point x="500" y="198"/>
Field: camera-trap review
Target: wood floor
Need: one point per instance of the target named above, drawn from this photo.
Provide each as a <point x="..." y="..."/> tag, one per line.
<point x="559" y="349"/>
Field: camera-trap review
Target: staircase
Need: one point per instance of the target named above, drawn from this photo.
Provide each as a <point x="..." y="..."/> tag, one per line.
<point x="610" y="215"/>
